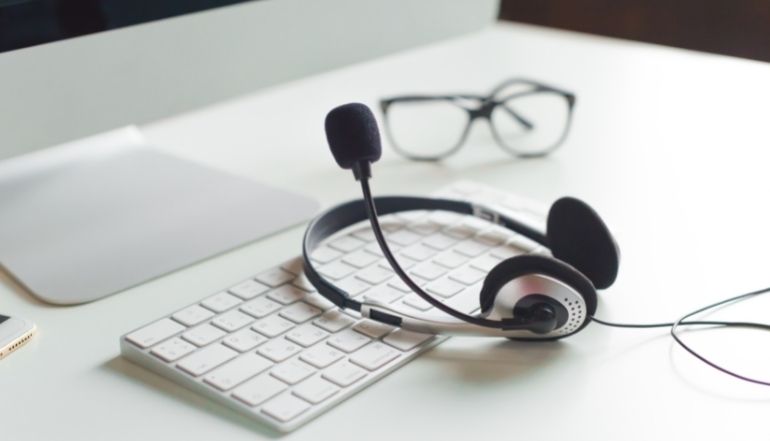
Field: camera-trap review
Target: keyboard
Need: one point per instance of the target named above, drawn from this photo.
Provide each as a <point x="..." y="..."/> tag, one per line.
<point x="275" y="350"/>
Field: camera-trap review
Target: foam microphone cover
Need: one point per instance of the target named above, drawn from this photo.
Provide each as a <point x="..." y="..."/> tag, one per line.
<point x="353" y="135"/>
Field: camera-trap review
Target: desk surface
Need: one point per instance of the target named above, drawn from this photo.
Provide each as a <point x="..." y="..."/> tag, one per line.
<point x="670" y="146"/>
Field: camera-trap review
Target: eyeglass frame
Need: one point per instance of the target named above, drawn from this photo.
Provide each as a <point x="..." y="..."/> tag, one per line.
<point x="487" y="104"/>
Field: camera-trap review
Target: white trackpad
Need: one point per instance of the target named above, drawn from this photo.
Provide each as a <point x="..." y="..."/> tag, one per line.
<point x="87" y="219"/>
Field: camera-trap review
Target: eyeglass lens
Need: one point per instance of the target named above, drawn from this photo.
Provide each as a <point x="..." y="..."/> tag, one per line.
<point x="524" y="122"/>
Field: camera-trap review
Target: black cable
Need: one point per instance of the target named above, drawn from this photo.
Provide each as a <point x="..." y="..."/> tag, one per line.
<point x="764" y="326"/>
<point x="706" y="360"/>
<point x="683" y="322"/>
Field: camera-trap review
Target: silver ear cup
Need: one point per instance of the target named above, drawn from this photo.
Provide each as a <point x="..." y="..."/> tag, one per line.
<point x="518" y="291"/>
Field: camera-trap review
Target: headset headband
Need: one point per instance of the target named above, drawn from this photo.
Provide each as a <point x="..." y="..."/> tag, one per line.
<point x="350" y="213"/>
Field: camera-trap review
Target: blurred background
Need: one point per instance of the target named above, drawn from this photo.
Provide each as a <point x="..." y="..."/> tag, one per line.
<point x="732" y="27"/>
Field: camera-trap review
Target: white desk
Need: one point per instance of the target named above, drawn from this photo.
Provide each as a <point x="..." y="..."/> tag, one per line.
<point x="670" y="146"/>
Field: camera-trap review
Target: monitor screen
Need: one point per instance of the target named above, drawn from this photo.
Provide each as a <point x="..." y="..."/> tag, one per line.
<point x="25" y="23"/>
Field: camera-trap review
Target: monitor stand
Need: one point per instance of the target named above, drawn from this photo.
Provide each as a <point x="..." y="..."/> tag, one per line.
<point x="91" y="218"/>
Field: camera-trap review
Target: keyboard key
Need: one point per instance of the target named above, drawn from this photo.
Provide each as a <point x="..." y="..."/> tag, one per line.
<point x="206" y="359"/>
<point x="221" y="302"/>
<point x="151" y="334"/>
<point x="300" y="312"/>
<point x="192" y="315"/>
<point x="419" y="280"/>
<point x="374" y="248"/>
<point x="285" y="407"/>
<point x="306" y="335"/>
<point x="374" y="274"/>
<point x="523" y="243"/>
<point x="475" y="223"/>
<point x="275" y="277"/>
<point x="203" y="334"/>
<point x="411" y="215"/>
<point x="315" y="390"/>
<point x="336" y="270"/>
<point x="353" y="286"/>
<point x="444" y="287"/>
<point x="399" y="285"/>
<point x="505" y="252"/>
<point x="485" y="263"/>
<point x="259" y="389"/>
<point x="429" y="271"/>
<point x="319" y="301"/>
<point x="390" y="223"/>
<point x="403" y="237"/>
<point x="172" y="349"/>
<point x="416" y="302"/>
<point x="364" y="233"/>
<point x="346" y="244"/>
<point x="348" y="340"/>
<point x="244" y="340"/>
<point x="424" y="227"/>
<point x="467" y="275"/>
<point x="466" y="302"/>
<point x="374" y="356"/>
<point x="279" y="349"/>
<point x="360" y="258"/>
<point x="292" y="371"/>
<point x="439" y="241"/>
<point x="232" y="320"/>
<point x="260" y="307"/>
<point x="471" y="248"/>
<point x="303" y="283"/>
<point x="293" y="266"/>
<point x="286" y="294"/>
<point x="272" y="326"/>
<point x="493" y="237"/>
<point x="418" y="252"/>
<point x="460" y="231"/>
<point x="372" y="329"/>
<point x="333" y="321"/>
<point x="237" y="371"/>
<point x="445" y="218"/>
<point x="321" y="355"/>
<point x="325" y="255"/>
<point x="383" y="294"/>
<point x="344" y="374"/>
<point x="403" y="261"/>
<point x="248" y="289"/>
<point x="450" y="259"/>
<point x="405" y="340"/>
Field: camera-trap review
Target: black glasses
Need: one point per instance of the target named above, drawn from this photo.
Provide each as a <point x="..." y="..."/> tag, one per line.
<point x="527" y="119"/>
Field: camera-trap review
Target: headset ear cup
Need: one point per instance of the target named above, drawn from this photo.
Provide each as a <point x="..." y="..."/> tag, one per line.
<point x="524" y="264"/>
<point x="578" y="236"/>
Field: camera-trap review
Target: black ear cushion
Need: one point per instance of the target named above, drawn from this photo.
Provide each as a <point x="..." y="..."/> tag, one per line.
<point x="578" y="236"/>
<point x="524" y="264"/>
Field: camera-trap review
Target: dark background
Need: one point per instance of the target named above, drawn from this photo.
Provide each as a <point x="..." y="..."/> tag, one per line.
<point x="732" y="27"/>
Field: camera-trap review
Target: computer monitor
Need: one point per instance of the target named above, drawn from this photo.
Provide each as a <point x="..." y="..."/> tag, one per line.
<point x="72" y="68"/>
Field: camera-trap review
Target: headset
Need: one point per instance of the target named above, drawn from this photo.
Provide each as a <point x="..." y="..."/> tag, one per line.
<point x="544" y="296"/>
<point x="529" y="296"/>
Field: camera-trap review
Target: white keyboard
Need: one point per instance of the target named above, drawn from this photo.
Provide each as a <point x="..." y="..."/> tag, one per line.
<point x="275" y="350"/>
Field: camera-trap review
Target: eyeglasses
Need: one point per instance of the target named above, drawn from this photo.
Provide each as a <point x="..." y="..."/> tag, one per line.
<point x="527" y="119"/>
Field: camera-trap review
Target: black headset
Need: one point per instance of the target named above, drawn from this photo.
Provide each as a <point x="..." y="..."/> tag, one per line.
<point x="530" y="296"/>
